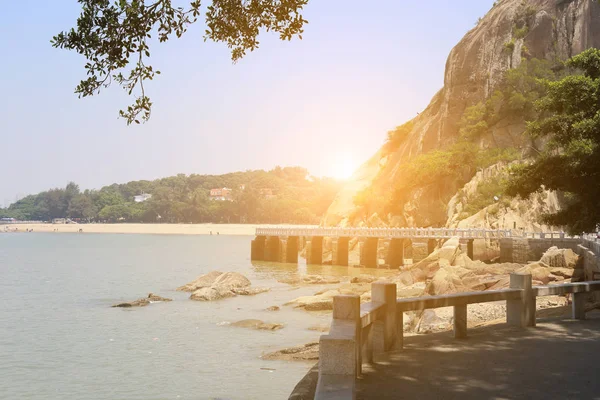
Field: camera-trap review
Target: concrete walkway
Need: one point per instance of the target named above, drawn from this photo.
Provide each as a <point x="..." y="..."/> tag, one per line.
<point x="558" y="359"/>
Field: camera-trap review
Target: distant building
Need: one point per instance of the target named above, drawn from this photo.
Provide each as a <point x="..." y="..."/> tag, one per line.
<point x="142" y="197"/>
<point x="223" y="194"/>
<point x="267" y="193"/>
<point x="59" y="221"/>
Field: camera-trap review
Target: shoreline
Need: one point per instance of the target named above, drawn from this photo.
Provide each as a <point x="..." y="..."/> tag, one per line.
<point x="148" y="229"/>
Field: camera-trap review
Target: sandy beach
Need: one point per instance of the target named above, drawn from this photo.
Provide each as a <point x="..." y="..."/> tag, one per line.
<point x="157" y="229"/>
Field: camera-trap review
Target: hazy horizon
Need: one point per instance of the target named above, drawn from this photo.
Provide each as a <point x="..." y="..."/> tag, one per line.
<point x="323" y="103"/>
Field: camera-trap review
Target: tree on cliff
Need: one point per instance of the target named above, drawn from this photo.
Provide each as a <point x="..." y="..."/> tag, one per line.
<point x="570" y="161"/>
<point x="115" y="37"/>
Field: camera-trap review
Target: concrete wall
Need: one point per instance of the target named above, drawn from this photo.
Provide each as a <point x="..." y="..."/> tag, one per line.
<point x="523" y="251"/>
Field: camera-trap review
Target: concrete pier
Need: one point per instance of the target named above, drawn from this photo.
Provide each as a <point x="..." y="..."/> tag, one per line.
<point x="395" y="256"/>
<point x="314" y="251"/>
<point x="340" y="252"/>
<point x="291" y="253"/>
<point x="272" y="249"/>
<point x="257" y="249"/>
<point x="368" y="253"/>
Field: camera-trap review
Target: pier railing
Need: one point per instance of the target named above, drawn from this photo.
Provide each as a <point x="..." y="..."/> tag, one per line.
<point x="392" y="233"/>
<point x="350" y="339"/>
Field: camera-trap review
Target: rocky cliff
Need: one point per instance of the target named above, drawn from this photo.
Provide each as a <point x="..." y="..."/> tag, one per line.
<point x="511" y="30"/>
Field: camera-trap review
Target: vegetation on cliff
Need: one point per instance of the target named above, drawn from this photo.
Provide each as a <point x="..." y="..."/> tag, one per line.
<point x="444" y="170"/>
<point x="570" y="160"/>
<point x="280" y="195"/>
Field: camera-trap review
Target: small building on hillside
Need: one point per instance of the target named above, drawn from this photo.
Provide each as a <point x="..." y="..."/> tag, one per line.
<point x="222" y="194"/>
<point x="267" y="193"/>
<point x="142" y="197"/>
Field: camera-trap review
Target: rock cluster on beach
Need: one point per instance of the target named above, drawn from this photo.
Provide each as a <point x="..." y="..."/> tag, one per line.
<point x="144" y="301"/>
<point x="218" y="285"/>
<point x="449" y="270"/>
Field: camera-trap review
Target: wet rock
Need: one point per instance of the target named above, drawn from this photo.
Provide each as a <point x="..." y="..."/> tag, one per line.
<point x="249" y="291"/>
<point x="310" y="280"/>
<point x="144" y="301"/>
<point x="308" y="352"/>
<point x="154" y="298"/>
<point x="363" y="279"/>
<point x="136" y="303"/>
<point x="273" y="308"/>
<point x="257" y="324"/>
<point x="319" y="328"/>
<point x="212" y="293"/>
<point x="206" y="280"/>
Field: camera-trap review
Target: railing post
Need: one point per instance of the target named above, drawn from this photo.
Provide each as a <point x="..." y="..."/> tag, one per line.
<point x="334" y="358"/>
<point x="382" y="292"/>
<point x="578" y="305"/>
<point x="460" y="321"/>
<point x="521" y="312"/>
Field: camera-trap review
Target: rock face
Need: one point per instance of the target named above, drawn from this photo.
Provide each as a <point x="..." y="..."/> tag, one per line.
<point x="144" y="301"/>
<point x="476" y="65"/>
<point x="218" y="285"/>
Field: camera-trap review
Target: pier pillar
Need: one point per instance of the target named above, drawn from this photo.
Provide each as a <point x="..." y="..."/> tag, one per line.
<point x="292" y="250"/>
<point x="314" y="251"/>
<point x="419" y="251"/>
<point x="431" y="245"/>
<point x="272" y="249"/>
<point x="368" y="253"/>
<point x="470" y="247"/>
<point x="340" y="251"/>
<point x="257" y="249"/>
<point x="395" y="257"/>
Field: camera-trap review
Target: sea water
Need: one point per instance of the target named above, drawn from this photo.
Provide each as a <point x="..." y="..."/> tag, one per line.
<point x="60" y="339"/>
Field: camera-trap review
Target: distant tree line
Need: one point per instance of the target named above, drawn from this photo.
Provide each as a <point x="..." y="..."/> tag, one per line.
<point x="282" y="195"/>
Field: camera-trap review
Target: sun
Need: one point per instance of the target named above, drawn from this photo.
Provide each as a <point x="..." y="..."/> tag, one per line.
<point x="343" y="166"/>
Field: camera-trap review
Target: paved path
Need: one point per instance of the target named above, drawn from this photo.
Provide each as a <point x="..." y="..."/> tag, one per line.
<point x="558" y="359"/>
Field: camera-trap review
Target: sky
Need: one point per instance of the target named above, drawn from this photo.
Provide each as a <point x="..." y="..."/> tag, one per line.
<point x="324" y="102"/>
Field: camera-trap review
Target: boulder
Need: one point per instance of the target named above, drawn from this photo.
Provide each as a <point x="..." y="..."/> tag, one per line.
<point x="560" y="258"/>
<point x="273" y="308"/>
<point x="445" y="282"/>
<point x="249" y="291"/>
<point x="310" y="280"/>
<point x="144" y="301"/>
<point x="212" y="293"/>
<point x="539" y="272"/>
<point x="231" y="280"/>
<point x="200" y="282"/>
<point x="308" y="352"/>
<point x="257" y="324"/>
<point x="136" y="303"/>
<point x="363" y="278"/>
<point x="154" y="298"/>
<point x="566" y="273"/>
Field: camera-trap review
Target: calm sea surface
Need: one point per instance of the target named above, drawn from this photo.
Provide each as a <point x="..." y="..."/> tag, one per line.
<point x="60" y="339"/>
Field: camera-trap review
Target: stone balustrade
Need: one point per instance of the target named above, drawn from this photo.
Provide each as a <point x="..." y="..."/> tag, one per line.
<point x="350" y="339"/>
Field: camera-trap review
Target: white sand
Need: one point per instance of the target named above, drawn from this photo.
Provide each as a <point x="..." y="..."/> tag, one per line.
<point x="160" y="229"/>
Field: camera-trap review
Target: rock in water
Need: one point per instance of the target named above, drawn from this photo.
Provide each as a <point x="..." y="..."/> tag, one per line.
<point x="249" y="291"/>
<point x="154" y="298"/>
<point x="257" y="324"/>
<point x="231" y="280"/>
<point x="142" y="302"/>
<point x="308" y="352"/>
<point x="212" y="293"/>
<point x="135" y="303"/>
<point x="273" y="308"/>
<point x="206" y="280"/>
